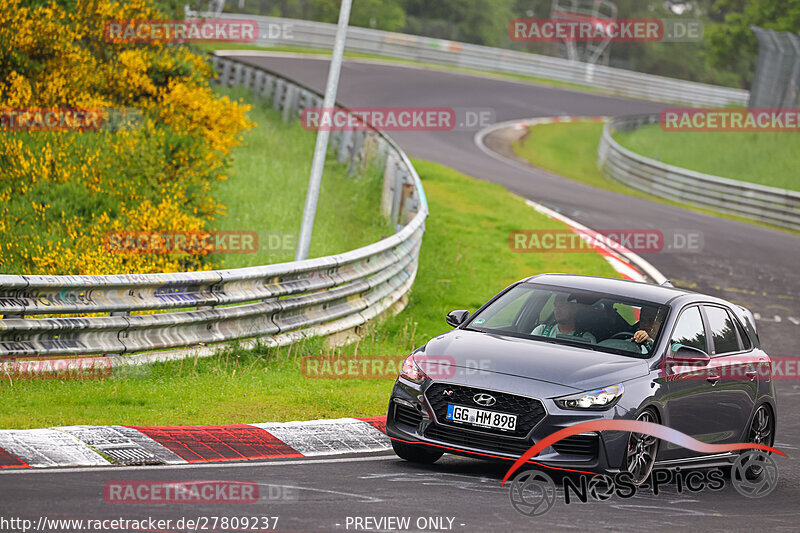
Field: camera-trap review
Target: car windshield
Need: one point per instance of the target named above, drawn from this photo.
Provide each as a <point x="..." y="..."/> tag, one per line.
<point x="591" y="320"/>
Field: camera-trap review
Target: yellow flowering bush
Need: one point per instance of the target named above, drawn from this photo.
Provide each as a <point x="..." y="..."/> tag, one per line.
<point x="62" y="192"/>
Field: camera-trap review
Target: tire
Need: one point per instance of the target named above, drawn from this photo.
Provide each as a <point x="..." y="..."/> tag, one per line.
<point x="762" y="427"/>
<point x="760" y="431"/>
<point x="641" y="451"/>
<point x="416" y="453"/>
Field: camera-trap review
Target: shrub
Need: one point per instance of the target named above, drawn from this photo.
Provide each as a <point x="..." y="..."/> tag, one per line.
<point x="61" y="192"/>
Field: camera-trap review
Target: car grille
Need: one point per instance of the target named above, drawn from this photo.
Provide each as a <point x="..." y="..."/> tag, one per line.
<point x="583" y="445"/>
<point x="529" y="411"/>
<point x="490" y="443"/>
<point x="406" y="415"/>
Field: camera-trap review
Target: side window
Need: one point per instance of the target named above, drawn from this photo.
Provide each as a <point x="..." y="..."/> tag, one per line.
<point x="689" y="330"/>
<point x="747" y="345"/>
<point x="723" y="331"/>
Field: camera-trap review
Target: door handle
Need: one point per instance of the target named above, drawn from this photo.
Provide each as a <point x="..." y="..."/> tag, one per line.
<point x="751" y="375"/>
<point x="712" y="379"/>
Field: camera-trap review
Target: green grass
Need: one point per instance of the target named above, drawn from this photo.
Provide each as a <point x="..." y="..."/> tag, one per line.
<point x="464" y="260"/>
<point x="266" y="194"/>
<point x="210" y="47"/>
<point x="766" y="158"/>
<point x="570" y="150"/>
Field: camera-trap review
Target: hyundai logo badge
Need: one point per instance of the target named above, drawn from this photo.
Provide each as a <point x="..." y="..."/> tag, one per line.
<point x="486" y="400"/>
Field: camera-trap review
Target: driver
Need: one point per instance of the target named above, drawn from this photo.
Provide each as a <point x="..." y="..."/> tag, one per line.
<point x="647" y="327"/>
<point x="565" y="312"/>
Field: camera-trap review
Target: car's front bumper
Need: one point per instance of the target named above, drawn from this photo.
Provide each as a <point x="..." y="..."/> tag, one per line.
<point x="412" y="419"/>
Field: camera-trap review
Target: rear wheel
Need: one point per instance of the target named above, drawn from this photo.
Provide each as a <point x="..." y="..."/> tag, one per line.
<point x="641" y="451"/>
<point x="762" y="428"/>
<point x="416" y="453"/>
<point x="762" y="431"/>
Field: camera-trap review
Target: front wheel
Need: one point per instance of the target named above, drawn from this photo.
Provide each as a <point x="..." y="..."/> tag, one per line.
<point x="416" y="453"/>
<point x="641" y="451"/>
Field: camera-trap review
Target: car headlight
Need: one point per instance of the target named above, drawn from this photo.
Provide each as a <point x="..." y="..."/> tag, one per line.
<point x="598" y="399"/>
<point x="411" y="371"/>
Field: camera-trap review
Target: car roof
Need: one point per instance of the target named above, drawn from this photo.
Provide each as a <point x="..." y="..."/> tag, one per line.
<point x="637" y="290"/>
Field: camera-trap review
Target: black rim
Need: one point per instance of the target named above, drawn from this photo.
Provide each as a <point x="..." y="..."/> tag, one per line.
<point x="761" y="432"/>
<point x="761" y="428"/>
<point x="641" y="454"/>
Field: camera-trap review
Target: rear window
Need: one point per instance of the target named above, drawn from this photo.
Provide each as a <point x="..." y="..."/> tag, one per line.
<point x="724" y="338"/>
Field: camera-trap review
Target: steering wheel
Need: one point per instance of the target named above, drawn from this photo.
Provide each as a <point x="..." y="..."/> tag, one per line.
<point x="623" y="335"/>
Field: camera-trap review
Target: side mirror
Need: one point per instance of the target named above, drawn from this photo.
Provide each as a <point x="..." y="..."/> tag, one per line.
<point x="690" y="356"/>
<point x="456" y="318"/>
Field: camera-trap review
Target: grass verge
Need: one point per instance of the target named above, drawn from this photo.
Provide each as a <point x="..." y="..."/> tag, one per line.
<point x="464" y="260"/>
<point x="570" y="150"/>
<point x="267" y="189"/>
<point x="766" y="158"/>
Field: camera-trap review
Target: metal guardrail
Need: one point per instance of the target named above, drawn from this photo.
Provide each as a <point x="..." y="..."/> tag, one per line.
<point x="456" y="54"/>
<point x="278" y="303"/>
<point x="779" y="207"/>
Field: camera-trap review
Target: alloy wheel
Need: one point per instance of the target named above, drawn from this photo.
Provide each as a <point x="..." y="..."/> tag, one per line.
<point x="641" y="451"/>
<point x="761" y="431"/>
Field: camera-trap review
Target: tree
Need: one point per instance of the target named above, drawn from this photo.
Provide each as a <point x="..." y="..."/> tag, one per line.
<point x="380" y="14"/>
<point x="731" y="41"/>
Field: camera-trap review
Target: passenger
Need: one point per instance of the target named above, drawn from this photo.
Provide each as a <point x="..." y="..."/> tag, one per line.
<point x="564" y="312"/>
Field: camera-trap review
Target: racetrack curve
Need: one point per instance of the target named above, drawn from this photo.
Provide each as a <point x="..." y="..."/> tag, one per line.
<point x="754" y="266"/>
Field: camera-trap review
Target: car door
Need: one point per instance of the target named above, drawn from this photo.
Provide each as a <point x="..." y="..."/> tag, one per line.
<point x="691" y="403"/>
<point x="737" y="388"/>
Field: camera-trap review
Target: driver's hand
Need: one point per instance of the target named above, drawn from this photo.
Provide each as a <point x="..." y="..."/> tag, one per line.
<point x="641" y="336"/>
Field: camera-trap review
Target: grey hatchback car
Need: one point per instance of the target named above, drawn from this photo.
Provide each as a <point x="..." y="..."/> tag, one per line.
<point x="554" y="350"/>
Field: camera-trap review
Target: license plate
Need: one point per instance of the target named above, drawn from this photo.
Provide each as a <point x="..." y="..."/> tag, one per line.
<point x="481" y="417"/>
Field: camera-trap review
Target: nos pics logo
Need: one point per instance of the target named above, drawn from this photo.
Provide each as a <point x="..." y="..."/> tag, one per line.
<point x="533" y="492"/>
<point x="754" y="474"/>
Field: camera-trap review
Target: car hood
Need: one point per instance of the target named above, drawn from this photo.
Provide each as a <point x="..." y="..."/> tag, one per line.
<point x="557" y="369"/>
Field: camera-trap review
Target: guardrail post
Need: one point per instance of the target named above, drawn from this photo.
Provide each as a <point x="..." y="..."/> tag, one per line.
<point x="222" y="79"/>
<point x="289" y="104"/>
<point x="237" y="74"/>
<point x="258" y="83"/>
<point x="344" y="146"/>
<point x="248" y="77"/>
<point x="334" y="141"/>
<point x="397" y="195"/>
<point x="381" y="153"/>
<point x="355" y="153"/>
<point x="387" y="197"/>
<point x="369" y="150"/>
<point x="280" y="90"/>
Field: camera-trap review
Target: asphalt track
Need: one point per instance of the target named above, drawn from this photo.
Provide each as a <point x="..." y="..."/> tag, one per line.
<point x="745" y="263"/>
